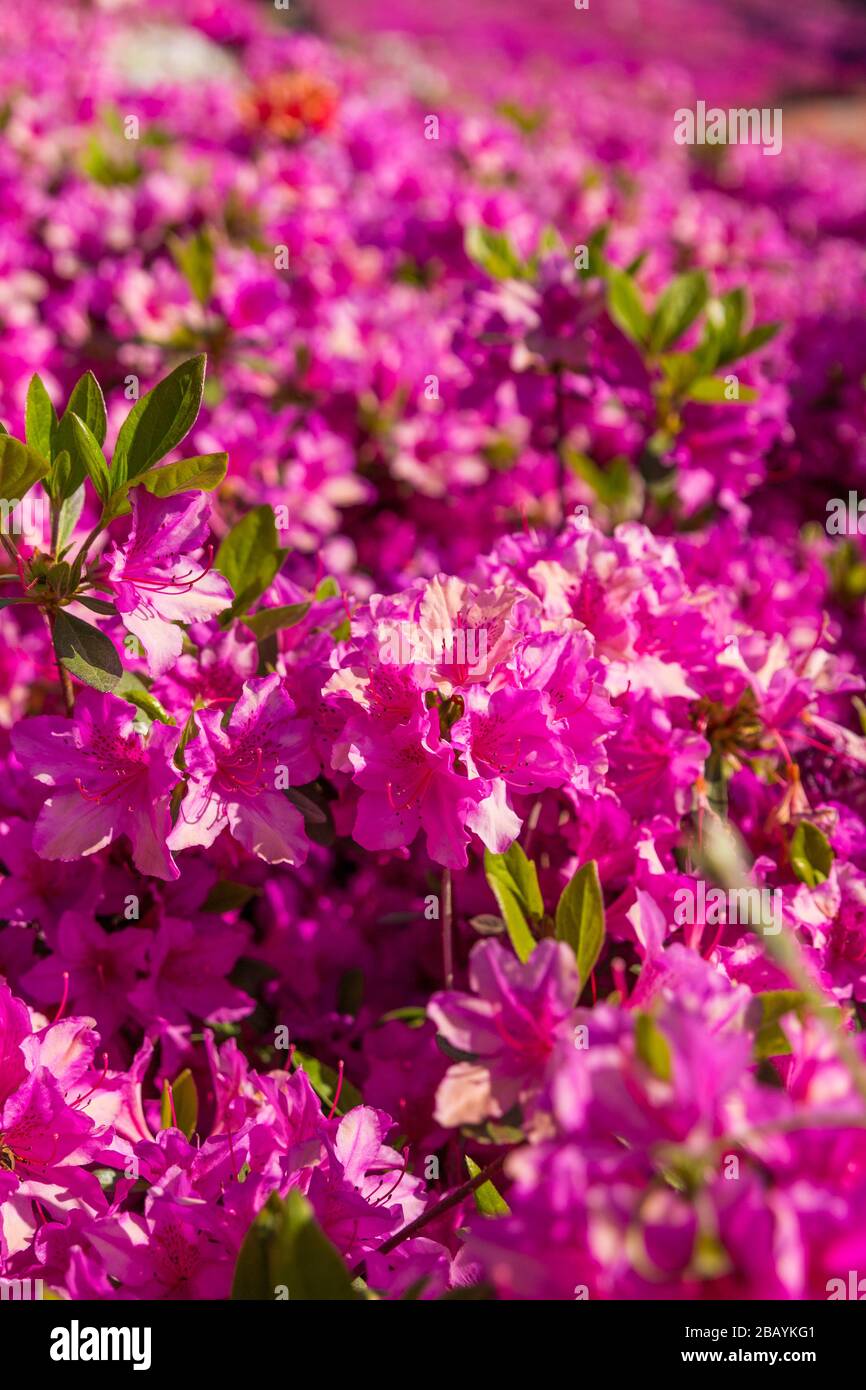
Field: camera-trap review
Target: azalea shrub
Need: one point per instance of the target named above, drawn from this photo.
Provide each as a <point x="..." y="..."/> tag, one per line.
<point x="433" y="811"/>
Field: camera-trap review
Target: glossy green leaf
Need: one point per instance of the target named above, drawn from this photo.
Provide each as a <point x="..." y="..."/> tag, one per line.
<point x="514" y="881"/>
<point x="20" y="467"/>
<point x="757" y="337"/>
<point x="40" y="418"/>
<point x="625" y="305"/>
<point x="202" y="473"/>
<point x="286" y="1249"/>
<point x="652" y="1047"/>
<point x="324" y="1081"/>
<point x="767" y="1009"/>
<point x="195" y="260"/>
<point x="714" y="390"/>
<point x="86" y="652"/>
<point x="70" y="508"/>
<point x="677" y="308"/>
<point x="86" y="454"/>
<point x="88" y="404"/>
<point x="158" y="421"/>
<point x="270" y="620"/>
<point x="493" y="251"/>
<point x="185" y="1096"/>
<point x="249" y="557"/>
<point x="811" y="854"/>
<point x="488" y="1199"/>
<point x="580" y="918"/>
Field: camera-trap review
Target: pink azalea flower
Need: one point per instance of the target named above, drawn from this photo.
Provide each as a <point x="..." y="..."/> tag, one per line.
<point x="157" y="577"/>
<point x="511" y="1024"/>
<point x="510" y="734"/>
<point x="105" y="780"/>
<point x="187" y="969"/>
<point x="409" y="782"/>
<point x="44" y="1124"/>
<point x="100" y="967"/>
<point x="238" y="775"/>
<point x="36" y="889"/>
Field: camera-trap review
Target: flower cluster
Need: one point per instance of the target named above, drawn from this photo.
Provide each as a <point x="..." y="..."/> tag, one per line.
<point x="431" y="701"/>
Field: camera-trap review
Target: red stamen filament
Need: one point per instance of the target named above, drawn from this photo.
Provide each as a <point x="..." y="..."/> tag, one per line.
<point x="333" y="1108"/>
<point x="98" y="1082"/>
<point x="62" y="1005"/>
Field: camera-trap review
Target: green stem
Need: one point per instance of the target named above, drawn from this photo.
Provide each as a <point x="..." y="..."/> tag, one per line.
<point x="65" y="678"/>
<point x="447" y="929"/>
<point x="86" y="544"/>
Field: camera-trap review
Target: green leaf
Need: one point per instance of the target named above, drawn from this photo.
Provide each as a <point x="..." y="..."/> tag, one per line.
<point x="811" y="854"/>
<point x="158" y="421"/>
<point x="88" y="404"/>
<point x="514" y="881"/>
<point x="165" y="1107"/>
<point x="285" y="1248"/>
<point x="57" y="483"/>
<point x="70" y="508"/>
<point x="270" y="620"/>
<point x="680" y="370"/>
<point x="677" y="308"/>
<point x="625" y="305"/>
<point x="87" y="457"/>
<point x="40" y="418"/>
<point x="194" y="258"/>
<point x="249" y="557"/>
<point x="411" y="1014"/>
<point x="324" y="1081"/>
<point x="20" y="467"/>
<point x="102" y="167"/>
<point x="327" y="588"/>
<point x="767" y="1008"/>
<point x="614" y="485"/>
<point x="143" y="700"/>
<point x="226" y="896"/>
<point x="494" y="252"/>
<point x="97" y="605"/>
<point x="526" y="120"/>
<point x="757" y="337"/>
<point x="580" y="918"/>
<point x="711" y="390"/>
<point x="86" y="652"/>
<point x="487" y="1199"/>
<point x="185" y="1096"/>
<point x="202" y="473"/>
<point x="724" y="324"/>
<point x="597" y="263"/>
<point x="652" y="1047"/>
<point x="58" y="578"/>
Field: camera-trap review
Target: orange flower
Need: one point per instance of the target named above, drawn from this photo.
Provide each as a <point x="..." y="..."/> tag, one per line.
<point x="290" y="105"/>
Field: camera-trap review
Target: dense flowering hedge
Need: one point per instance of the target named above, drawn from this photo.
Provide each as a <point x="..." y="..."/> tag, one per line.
<point x="433" y="812"/>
